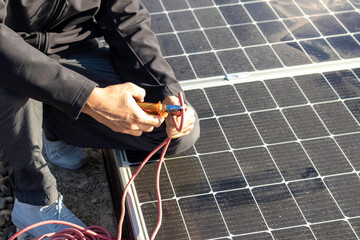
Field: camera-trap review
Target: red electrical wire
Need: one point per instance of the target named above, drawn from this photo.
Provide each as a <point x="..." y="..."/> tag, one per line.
<point x="97" y="233"/>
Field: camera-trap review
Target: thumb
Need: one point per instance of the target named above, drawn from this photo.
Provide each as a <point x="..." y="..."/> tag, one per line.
<point x="138" y="93"/>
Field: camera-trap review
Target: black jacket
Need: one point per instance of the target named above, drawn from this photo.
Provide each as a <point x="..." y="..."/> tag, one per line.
<point x="33" y="32"/>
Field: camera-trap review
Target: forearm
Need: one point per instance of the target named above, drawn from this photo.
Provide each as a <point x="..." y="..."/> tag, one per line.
<point x="134" y="49"/>
<point x="31" y="73"/>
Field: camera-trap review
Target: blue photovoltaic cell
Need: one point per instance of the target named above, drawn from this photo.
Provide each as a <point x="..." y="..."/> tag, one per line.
<point x="345" y="83"/>
<point x="333" y="230"/>
<point x="206" y="65"/>
<point x="350" y="20"/>
<point x="209" y="17"/>
<point x="301" y="28"/>
<point x="278" y="206"/>
<point x="248" y="34"/>
<point x="234" y="61"/>
<point x="346" y="46"/>
<point x="285" y="8"/>
<point x="297" y="233"/>
<point x="263" y="57"/>
<point x="153" y="5"/>
<point x="275" y="31"/>
<point x="260" y="11"/>
<point x="181" y="67"/>
<point x="221" y="38"/>
<point x="194" y="41"/>
<point x="174" y="4"/>
<point x="235" y="14"/>
<point x="319" y="50"/>
<point x="184" y="20"/>
<point x="170" y="39"/>
<point x="285" y="92"/>
<point x="338" y="5"/>
<point x="311" y="7"/>
<point x="291" y="54"/>
<point x="160" y="23"/>
<point x="305" y="122"/>
<point x="327" y="25"/>
<point x="200" y="3"/>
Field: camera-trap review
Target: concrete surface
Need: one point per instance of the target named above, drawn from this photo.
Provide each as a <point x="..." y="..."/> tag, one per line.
<point x="86" y="192"/>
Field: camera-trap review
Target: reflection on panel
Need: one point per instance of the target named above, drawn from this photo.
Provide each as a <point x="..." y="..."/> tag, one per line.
<point x="263" y="34"/>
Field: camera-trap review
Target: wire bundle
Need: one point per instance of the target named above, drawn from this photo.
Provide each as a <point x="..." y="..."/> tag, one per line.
<point x="77" y="232"/>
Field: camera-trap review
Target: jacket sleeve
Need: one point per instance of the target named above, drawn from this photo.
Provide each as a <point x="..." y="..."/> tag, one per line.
<point x="31" y="73"/>
<point x="134" y="49"/>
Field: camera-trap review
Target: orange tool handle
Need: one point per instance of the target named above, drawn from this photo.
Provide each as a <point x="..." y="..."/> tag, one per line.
<point x="153" y="108"/>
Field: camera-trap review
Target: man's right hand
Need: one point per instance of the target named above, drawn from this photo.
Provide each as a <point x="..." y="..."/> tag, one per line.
<point x="115" y="106"/>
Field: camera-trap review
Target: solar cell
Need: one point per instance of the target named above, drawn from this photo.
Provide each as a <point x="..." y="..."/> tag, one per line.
<point x="224" y="100"/>
<point x="337" y="118"/>
<point x="255" y="96"/>
<point x="315" y="201"/>
<point x="278" y="207"/>
<point x="258" y="167"/>
<point x="275" y="31"/>
<point x="292" y="161"/>
<point x="285" y="8"/>
<point x="305" y="122"/>
<point x="316" y="88"/>
<point x="240" y="131"/>
<point x="319" y="50"/>
<point x="272" y="126"/>
<point x="285" y="92"/>
<point x="333" y="230"/>
<point x="206" y="65"/>
<point x="346" y="46"/>
<point x="298" y="233"/>
<point x="326" y="156"/>
<point x="234" y="61"/>
<point x="221" y="38"/>
<point x="260" y="11"/>
<point x="301" y="28"/>
<point x="240" y="212"/>
<point x="263" y="57"/>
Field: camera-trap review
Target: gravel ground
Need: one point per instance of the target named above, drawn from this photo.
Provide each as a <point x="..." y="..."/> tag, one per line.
<point x="86" y="193"/>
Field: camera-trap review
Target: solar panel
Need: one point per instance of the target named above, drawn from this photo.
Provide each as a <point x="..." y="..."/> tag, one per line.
<point x="278" y="156"/>
<point x="283" y="168"/>
<point x="284" y="32"/>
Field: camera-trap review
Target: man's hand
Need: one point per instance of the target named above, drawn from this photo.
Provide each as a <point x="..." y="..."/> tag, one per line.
<point x="115" y="106"/>
<point x="189" y="120"/>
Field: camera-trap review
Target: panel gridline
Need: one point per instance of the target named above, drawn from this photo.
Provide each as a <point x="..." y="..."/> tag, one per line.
<point x="258" y="172"/>
<point x="206" y="38"/>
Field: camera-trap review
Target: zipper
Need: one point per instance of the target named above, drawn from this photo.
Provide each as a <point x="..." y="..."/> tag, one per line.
<point x="58" y="9"/>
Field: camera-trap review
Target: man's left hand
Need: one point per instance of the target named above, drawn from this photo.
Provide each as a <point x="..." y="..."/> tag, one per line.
<point x="189" y="119"/>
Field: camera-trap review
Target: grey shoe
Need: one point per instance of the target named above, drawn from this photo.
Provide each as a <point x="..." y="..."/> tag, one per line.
<point x="24" y="215"/>
<point x="64" y="155"/>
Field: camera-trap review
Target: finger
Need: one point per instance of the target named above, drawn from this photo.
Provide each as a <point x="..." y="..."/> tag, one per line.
<point x="177" y="134"/>
<point x="136" y="133"/>
<point x="173" y="132"/>
<point x="145" y="128"/>
<point x="150" y="119"/>
<point x="137" y="92"/>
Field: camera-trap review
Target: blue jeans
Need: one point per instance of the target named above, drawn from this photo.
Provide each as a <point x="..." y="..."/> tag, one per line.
<point x="22" y="120"/>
